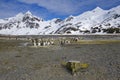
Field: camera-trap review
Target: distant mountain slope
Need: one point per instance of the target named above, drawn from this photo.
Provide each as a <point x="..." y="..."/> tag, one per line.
<point x="97" y="21"/>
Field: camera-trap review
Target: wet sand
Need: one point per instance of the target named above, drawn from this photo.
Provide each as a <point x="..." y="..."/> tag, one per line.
<point x="18" y="62"/>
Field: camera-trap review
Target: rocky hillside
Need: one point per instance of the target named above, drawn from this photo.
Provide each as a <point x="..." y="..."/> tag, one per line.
<point x="97" y="21"/>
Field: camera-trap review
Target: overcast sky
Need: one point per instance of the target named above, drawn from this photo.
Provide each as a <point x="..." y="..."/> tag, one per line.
<point x="48" y="9"/>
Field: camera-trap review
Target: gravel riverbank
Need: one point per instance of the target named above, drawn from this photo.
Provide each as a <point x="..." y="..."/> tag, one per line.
<point x="44" y="63"/>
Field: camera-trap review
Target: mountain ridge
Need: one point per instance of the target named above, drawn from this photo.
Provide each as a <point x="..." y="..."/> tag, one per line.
<point x="97" y="21"/>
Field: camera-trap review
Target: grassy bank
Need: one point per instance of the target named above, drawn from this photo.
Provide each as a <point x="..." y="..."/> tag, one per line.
<point x="97" y="41"/>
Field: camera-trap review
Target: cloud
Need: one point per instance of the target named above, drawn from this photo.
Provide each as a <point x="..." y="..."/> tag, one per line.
<point x="52" y="8"/>
<point x="10" y="8"/>
<point x="108" y="3"/>
<point x="59" y="6"/>
<point x="70" y="6"/>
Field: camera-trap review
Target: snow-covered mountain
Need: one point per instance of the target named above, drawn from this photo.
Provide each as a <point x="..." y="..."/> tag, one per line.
<point x="95" y="21"/>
